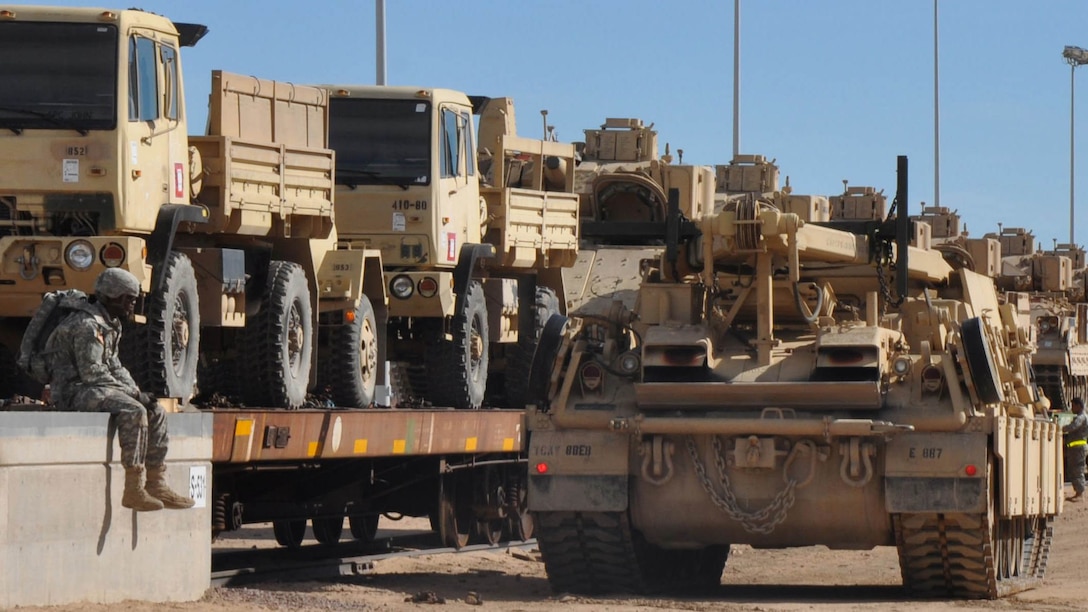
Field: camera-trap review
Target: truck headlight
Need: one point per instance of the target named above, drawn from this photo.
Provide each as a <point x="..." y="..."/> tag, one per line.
<point x="401" y="287"/>
<point x="79" y="254"/>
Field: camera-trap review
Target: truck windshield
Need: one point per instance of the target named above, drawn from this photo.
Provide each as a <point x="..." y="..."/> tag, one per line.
<point x="381" y="142"/>
<point x="58" y="76"/>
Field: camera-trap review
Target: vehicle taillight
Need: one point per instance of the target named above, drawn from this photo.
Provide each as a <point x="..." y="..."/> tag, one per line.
<point x="112" y="255"/>
<point x="427" y="287"/>
<point x="592" y="376"/>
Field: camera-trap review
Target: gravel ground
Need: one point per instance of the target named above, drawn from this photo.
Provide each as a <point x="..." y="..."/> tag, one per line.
<point x="810" y="578"/>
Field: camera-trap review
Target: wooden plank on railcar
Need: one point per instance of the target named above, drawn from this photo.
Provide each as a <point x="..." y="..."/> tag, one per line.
<point x="243" y="436"/>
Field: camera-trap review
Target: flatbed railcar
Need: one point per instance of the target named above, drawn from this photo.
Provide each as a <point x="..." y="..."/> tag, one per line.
<point x="464" y="470"/>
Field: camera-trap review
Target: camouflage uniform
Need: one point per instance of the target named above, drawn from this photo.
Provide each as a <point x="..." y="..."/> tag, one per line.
<point x="1076" y="433"/>
<point x="88" y="376"/>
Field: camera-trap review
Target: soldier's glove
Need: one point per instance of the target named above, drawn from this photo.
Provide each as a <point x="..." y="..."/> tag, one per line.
<point x="147" y="399"/>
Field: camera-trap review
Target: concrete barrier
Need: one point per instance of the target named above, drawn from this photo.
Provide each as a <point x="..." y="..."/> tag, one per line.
<point x="64" y="536"/>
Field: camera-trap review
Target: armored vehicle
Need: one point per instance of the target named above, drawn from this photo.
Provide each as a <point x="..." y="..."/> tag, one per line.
<point x="473" y="226"/>
<point x="781" y="383"/>
<point x="1059" y="318"/>
<point x="227" y="231"/>
<point x="622" y="182"/>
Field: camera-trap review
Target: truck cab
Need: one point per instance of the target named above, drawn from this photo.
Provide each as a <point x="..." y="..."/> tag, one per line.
<point x="87" y="94"/>
<point x="406" y="172"/>
<point x="472" y="225"/>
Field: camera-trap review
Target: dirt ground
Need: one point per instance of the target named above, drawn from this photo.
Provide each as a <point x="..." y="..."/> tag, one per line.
<point x="812" y="578"/>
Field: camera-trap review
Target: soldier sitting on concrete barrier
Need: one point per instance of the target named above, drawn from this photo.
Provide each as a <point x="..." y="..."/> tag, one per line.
<point x="1076" y="446"/>
<point x="87" y="375"/>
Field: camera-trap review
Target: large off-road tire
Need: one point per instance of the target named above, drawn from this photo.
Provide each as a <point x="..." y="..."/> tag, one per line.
<point x="349" y="369"/>
<point x="458" y="367"/>
<point x="162" y="354"/>
<point x="520" y="360"/>
<point x="279" y="339"/>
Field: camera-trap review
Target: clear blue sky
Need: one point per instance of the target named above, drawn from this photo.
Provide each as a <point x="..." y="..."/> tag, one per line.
<point x="833" y="89"/>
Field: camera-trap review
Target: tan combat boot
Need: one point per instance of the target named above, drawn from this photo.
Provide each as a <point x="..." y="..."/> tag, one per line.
<point x="135" y="496"/>
<point x="156" y="486"/>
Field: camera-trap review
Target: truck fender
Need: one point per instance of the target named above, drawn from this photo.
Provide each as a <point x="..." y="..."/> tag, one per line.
<point x="161" y="242"/>
<point x="462" y="274"/>
<point x="350" y="273"/>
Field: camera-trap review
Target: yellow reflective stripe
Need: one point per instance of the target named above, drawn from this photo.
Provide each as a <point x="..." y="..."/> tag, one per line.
<point x="1077" y="443"/>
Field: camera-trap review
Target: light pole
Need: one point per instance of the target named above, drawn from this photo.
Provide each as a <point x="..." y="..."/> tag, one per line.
<point x="736" y="78"/>
<point x="1074" y="56"/>
<point x="379" y="41"/>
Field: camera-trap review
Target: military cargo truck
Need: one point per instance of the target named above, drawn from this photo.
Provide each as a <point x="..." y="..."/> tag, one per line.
<point x="230" y="233"/>
<point x="473" y="229"/>
<point x="804" y="385"/>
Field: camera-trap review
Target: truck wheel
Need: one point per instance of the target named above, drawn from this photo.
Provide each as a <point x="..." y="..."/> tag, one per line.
<point x="350" y="369"/>
<point x="458" y="367"/>
<point x="521" y="358"/>
<point x="162" y="354"/>
<point x="281" y="338"/>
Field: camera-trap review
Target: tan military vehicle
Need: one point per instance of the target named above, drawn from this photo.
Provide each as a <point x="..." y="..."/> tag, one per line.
<point x="982" y="255"/>
<point x="228" y="232"/>
<point x="473" y="230"/>
<point x="1059" y="318"/>
<point x="790" y="387"/>
<point x="622" y="180"/>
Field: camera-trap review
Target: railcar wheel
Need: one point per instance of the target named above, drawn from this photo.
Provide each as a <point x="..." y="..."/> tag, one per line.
<point x="364" y="527"/>
<point x="327" y="530"/>
<point x="454" y="515"/>
<point x="281" y="336"/>
<point x="520" y="520"/>
<point x="289" y="533"/>
<point x="489" y="505"/>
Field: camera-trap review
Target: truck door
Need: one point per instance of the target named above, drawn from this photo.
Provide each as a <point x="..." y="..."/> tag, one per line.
<point x="458" y="185"/>
<point x="153" y="140"/>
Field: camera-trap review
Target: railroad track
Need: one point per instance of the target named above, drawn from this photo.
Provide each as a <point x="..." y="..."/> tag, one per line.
<point x="320" y="561"/>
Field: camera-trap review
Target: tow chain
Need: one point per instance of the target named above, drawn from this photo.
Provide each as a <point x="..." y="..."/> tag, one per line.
<point x="762" y="521"/>
<point x="885" y="290"/>
<point x="884" y="258"/>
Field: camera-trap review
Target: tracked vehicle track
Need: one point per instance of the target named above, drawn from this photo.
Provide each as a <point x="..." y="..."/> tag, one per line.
<point x="961" y="555"/>
<point x="599" y="552"/>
